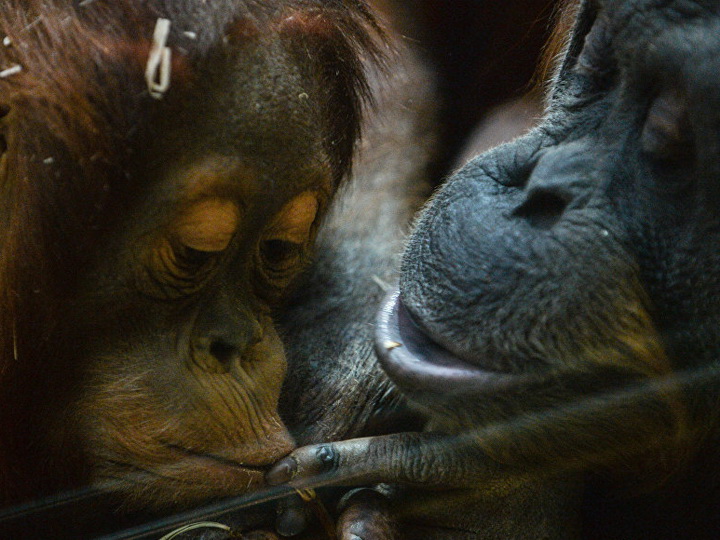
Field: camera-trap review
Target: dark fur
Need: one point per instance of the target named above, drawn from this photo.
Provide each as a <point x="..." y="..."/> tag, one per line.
<point x="570" y="278"/>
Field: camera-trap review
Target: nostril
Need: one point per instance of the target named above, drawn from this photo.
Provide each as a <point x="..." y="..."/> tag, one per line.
<point x="223" y="352"/>
<point x="542" y="209"/>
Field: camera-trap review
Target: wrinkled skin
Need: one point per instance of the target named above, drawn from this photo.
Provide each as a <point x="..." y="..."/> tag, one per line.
<point x="557" y="316"/>
<point x="206" y="392"/>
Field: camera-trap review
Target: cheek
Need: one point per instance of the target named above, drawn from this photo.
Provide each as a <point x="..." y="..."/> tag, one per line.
<point x="262" y="371"/>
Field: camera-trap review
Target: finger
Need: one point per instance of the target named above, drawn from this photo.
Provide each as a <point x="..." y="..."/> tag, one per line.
<point x="292" y="518"/>
<point x="259" y="535"/>
<point x="422" y="459"/>
<point x="366" y="516"/>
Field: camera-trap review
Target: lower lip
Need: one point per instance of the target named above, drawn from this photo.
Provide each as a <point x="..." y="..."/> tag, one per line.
<point x="419" y="365"/>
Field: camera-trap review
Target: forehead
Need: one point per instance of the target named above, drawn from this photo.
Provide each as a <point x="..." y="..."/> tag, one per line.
<point x="255" y="100"/>
<point x="249" y="120"/>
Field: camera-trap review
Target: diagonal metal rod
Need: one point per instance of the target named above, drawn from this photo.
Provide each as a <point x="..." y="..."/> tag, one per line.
<point x="164" y="525"/>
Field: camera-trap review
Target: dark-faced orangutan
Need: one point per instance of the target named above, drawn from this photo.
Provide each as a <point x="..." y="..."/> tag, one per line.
<point x="165" y="168"/>
<point x="557" y="317"/>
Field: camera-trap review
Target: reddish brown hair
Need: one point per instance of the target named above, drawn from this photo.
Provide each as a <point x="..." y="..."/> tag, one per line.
<point x="565" y="14"/>
<point x="72" y="102"/>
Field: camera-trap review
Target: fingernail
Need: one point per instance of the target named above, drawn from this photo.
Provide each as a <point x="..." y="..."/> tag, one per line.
<point x="291" y="522"/>
<point x="282" y="472"/>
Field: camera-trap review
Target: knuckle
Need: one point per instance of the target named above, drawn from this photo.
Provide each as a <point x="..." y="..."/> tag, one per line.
<point x="414" y="465"/>
<point x="420" y="469"/>
<point x="327" y="457"/>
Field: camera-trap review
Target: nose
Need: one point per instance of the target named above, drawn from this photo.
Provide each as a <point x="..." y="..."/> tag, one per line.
<point x="223" y="334"/>
<point x="561" y="180"/>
